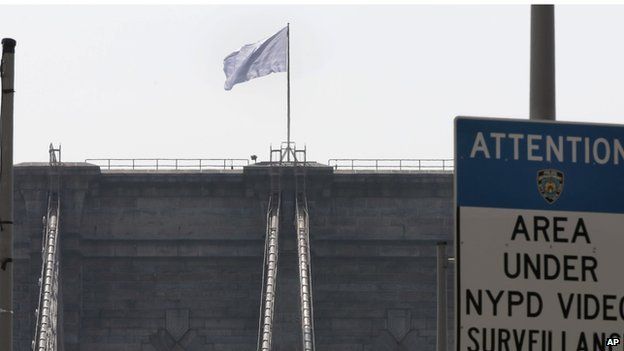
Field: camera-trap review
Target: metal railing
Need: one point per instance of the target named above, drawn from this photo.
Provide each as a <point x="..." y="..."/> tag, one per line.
<point x="305" y="273"/>
<point x="46" y="328"/>
<point x="174" y="164"/>
<point x="391" y="164"/>
<point x="269" y="275"/>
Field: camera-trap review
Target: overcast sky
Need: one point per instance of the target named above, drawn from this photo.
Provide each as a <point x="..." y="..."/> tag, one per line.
<point x="367" y="81"/>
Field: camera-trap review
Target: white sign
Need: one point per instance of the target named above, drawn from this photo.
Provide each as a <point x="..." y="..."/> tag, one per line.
<point x="539" y="242"/>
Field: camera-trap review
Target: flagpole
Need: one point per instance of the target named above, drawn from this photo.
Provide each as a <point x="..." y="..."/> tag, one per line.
<point x="288" y="92"/>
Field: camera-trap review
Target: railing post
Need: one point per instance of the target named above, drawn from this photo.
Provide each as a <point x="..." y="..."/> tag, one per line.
<point x="419" y="165"/>
<point x="200" y="164"/>
<point x="133" y="164"/>
<point x="376" y="165"/>
<point x="156" y="164"/>
<point x="109" y="164"/>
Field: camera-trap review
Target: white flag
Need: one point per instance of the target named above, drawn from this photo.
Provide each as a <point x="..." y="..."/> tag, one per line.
<point x="257" y="60"/>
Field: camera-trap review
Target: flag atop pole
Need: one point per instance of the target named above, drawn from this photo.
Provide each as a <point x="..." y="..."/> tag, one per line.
<point x="257" y="60"/>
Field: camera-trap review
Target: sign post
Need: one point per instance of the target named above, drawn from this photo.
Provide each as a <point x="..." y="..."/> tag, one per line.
<point x="7" y="77"/>
<point x="539" y="235"/>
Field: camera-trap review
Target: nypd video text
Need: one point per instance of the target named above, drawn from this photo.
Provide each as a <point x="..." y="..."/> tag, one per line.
<point x="536" y="147"/>
<point x="530" y="304"/>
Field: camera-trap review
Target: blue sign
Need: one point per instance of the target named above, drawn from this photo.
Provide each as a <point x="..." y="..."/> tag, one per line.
<point x="538" y="204"/>
<point x="543" y="165"/>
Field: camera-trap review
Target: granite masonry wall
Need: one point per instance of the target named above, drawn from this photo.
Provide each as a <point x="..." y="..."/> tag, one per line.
<point x="173" y="260"/>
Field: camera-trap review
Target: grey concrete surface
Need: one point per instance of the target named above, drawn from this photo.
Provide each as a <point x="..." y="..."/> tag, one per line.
<point x="173" y="261"/>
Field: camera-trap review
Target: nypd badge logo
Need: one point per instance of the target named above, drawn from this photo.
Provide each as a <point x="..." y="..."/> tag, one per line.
<point x="550" y="184"/>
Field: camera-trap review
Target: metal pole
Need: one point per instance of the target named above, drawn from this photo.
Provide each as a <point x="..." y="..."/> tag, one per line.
<point x="288" y="92"/>
<point x="542" y="96"/>
<point x="441" y="310"/>
<point x="7" y="68"/>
